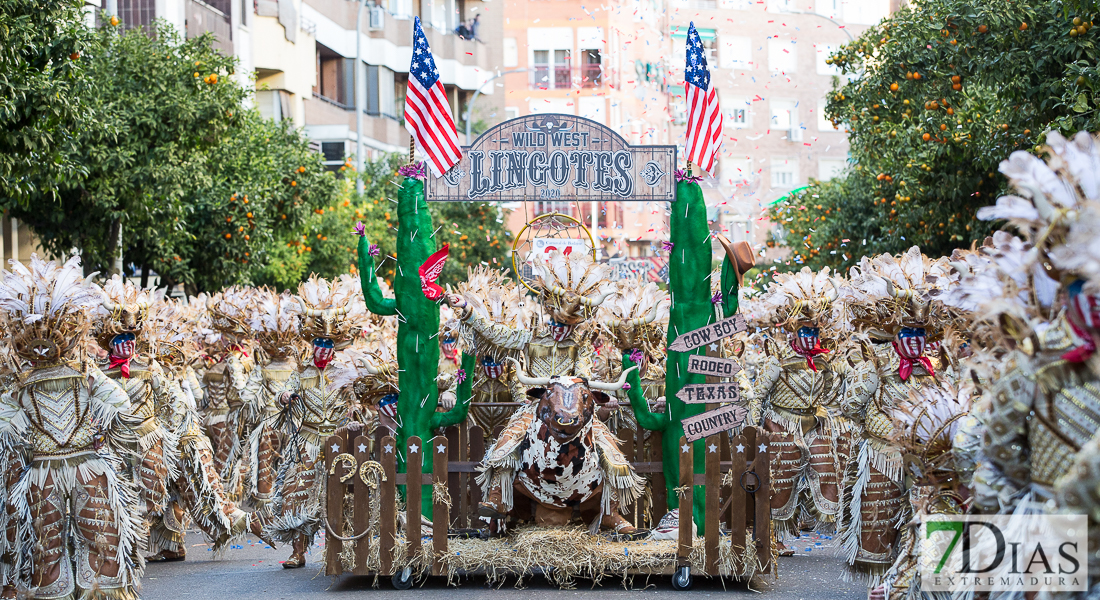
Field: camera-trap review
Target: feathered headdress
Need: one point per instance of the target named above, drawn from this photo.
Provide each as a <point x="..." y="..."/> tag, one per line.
<point x="631" y="312"/>
<point x="331" y="310"/>
<point x="168" y="333"/>
<point x="495" y="299"/>
<point x="1058" y="206"/>
<point x="274" y="322"/>
<point x="571" y="285"/>
<point x="48" y="307"/>
<point x="229" y="309"/>
<point x="124" y="309"/>
<point x="806" y="298"/>
<point x="887" y="292"/>
<point x="925" y="424"/>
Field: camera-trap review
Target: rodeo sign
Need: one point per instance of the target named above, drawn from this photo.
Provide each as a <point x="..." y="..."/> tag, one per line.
<point x="556" y="157"/>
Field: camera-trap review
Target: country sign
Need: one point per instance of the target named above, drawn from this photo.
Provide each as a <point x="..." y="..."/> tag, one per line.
<point x="709" y="334"/>
<point x="702" y="393"/>
<point x="714" y="421"/>
<point x="713" y="366"/>
<point x="550" y="157"/>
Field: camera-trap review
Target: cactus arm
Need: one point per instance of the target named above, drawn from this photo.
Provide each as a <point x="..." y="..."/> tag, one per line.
<point x="647" y="419"/>
<point x="372" y="294"/>
<point x="461" y="409"/>
<point x="729" y="288"/>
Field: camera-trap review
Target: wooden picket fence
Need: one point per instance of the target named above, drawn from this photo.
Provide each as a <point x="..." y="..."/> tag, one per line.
<point x="740" y="507"/>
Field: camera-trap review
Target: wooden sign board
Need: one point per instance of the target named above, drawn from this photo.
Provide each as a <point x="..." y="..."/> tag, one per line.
<point x="712" y="365"/>
<point x="709" y="334"/>
<point x="544" y="157"/>
<point x="704" y="393"/>
<point x="714" y="421"/>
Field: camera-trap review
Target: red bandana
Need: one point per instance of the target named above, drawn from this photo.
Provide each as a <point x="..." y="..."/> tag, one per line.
<point x="322" y="357"/>
<point x="123" y="364"/>
<point x="1083" y="352"/>
<point x="910" y="356"/>
<point x="802" y="348"/>
<point x="429" y="272"/>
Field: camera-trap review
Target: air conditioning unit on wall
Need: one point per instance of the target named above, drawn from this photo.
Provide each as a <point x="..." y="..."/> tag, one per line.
<point x="377" y="17"/>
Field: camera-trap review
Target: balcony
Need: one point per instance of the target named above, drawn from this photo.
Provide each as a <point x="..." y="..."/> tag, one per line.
<point x="546" y="77"/>
<point x="591" y="76"/>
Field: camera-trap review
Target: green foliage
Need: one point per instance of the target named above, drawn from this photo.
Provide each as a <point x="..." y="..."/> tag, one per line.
<point x="42" y="94"/>
<point x="1019" y="72"/>
<point x="157" y="109"/>
<point x="476" y="234"/>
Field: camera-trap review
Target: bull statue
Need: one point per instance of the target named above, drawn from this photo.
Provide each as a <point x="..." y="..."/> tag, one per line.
<point x="559" y="454"/>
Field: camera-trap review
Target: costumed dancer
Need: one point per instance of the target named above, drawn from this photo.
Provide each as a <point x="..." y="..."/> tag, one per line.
<point x="196" y="492"/>
<point x="571" y="287"/>
<point x="118" y="327"/>
<point x="225" y="378"/>
<point x="635" y="319"/>
<point x="892" y="302"/>
<point x="331" y="320"/>
<point x="80" y="530"/>
<point x="492" y="298"/>
<point x="274" y="323"/>
<point x="795" y="387"/>
<point x="13" y="460"/>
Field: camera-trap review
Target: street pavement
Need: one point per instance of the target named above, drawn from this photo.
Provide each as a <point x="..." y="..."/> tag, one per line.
<point x="252" y="571"/>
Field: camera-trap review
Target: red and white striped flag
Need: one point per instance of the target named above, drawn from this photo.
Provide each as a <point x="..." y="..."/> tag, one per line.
<point x="704" y="124"/>
<point x="427" y="112"/>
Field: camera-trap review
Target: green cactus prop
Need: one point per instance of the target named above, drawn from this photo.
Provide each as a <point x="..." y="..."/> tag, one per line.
<point x="417" y="346"/>
<point x="689" y="285"/>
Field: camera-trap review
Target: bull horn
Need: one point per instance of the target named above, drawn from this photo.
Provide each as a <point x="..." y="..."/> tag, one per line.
<point x="110" y="306"/>
<point x="613" y="323"/>
<point x="343" y="310"/>
<point x="368" y="367"/>
<point x="306" y="310"/>
<point x="961" y="266"/>
<point x="895" y="292"/>
<point x="611" y="387"/>
<point x="831" y="296"/>
<point x="525" y="379"/>
<point x="209" y="304"/>
<point x="593" y="303"/>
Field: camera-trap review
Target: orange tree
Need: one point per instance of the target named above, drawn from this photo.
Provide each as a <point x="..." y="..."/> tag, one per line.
<point x="160" y="103"/>
<point x="938" y="95"/>
<point x="42" y="94"/>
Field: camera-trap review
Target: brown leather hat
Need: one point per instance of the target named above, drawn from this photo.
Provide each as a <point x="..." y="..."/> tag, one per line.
<point x="740" y="255"/>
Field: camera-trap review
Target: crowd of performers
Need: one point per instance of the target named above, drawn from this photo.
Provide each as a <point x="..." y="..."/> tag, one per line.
<point x="908" y="386"/>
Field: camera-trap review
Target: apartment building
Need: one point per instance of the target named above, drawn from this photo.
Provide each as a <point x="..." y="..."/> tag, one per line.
<point x="599" y="61"/>
<point x="300" y="55"/>
<point x="767" y="58"/>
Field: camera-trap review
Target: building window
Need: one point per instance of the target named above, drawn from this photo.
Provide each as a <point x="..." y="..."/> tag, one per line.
<point x="784" y="114"/>
<point x="784" y="172"/>
<point x="334" y="77"/>
<point x="511" y="112"/>
<point x="551" y="74"/>
<point x="782" y="56"/>
<point x="511" y="52"/>
<point x="823" y="52"/>
<point x="781" y="6"/>
<point x="592" y="70"/>
<point x="828" y="168"/>
<point x="734" y="52"/>
<point x="678" y="104"/>
<point x="739" y="116"/>
<point x="735" y="171"/>
<point x="136" y="13"/>
<point x="334" y="155"/>
<point x="829" y="8"/>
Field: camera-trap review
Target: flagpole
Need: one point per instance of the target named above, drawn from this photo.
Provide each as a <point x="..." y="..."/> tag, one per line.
<point x="412" y="149"/>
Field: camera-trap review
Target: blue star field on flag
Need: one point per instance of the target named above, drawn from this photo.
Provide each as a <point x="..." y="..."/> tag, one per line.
<point x="696" y="69"/>
<point x="423" y="65"/>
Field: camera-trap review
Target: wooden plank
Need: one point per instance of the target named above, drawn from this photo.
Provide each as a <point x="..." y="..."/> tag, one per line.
<point x="763" y="524"/>
<point x="414" y="457"/>
<point x="440" y="513"/>
<point x="737" y="495"/>
<point x="750" y="456"/>
<point x="477" y="452"/>
<point x="710" y="521"/>
<point x="629" y="510"/>
<point x="683" y="550"/>
<point x="723" y="468"/>
<point x="387" y="530"/>
<point x="659" y="491"/>
<point x="334" y="446"/>
<point x="465" y="520"/>
<point x="454" y="442"/>
<point x="361" y="450"/>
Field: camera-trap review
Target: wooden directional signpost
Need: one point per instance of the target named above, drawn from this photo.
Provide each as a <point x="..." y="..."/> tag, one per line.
<point x="714" y="421"/>
<point x="730" y="414"/>
<point x="709" y="393"/>
<point x="713" y="366"/>
<point x="710" y="334"/>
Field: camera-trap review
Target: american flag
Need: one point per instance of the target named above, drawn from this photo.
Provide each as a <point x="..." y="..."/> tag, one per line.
<point x="704" y="124"/>
<point x="427" y="112"/>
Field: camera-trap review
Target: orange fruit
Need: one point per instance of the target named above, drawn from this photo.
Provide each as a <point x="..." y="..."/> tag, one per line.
<point x="982" y="29"/>
<point x="943" y="127"/>
<point x="75" y="56"/>
<point x="916" y="76"/>
<point x="955" y="79"/>
<point x="893" y="87"/>
<point x="228" y="235"/>
<point x="1023" y="26"/>
<point x="926" y="136"/>
<point x="293" y="184"/>
<point x="114" y="21"/>
<point x="956" y="86"/>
